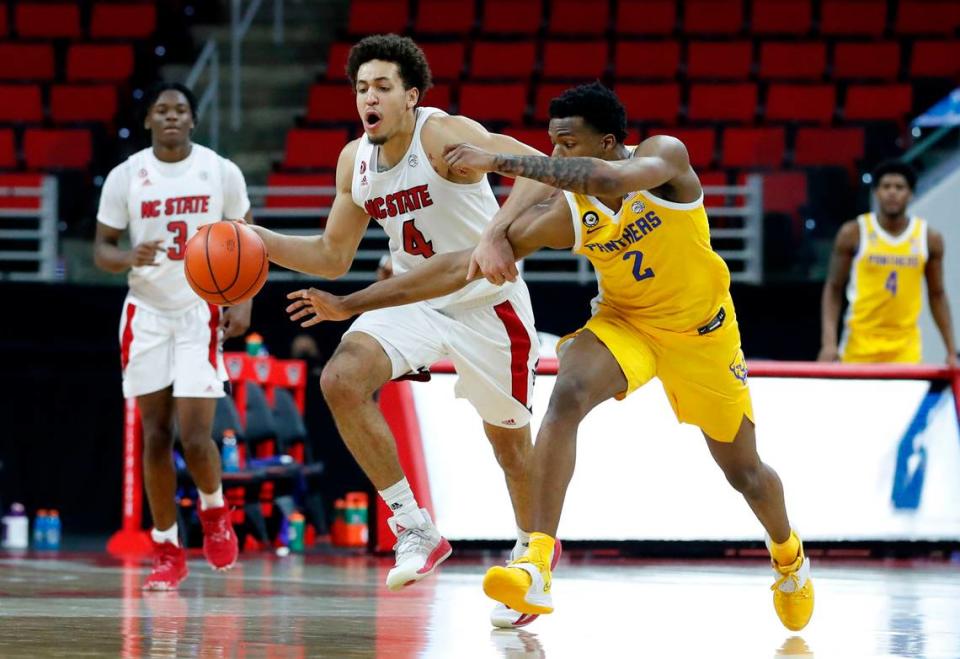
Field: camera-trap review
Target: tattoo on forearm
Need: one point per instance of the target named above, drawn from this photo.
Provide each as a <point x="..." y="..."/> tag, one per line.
<point x="573" y="174"/>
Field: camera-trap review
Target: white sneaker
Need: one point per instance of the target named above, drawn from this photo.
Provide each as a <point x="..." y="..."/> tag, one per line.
<point x="420" y="549"/>
<point x="502" y="615"/>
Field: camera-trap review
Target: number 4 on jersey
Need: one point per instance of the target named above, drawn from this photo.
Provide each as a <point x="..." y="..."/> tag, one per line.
<point x="415" y="242"/>
<point x="891" y="283"/>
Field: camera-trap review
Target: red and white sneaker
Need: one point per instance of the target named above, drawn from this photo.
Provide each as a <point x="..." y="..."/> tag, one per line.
<point x="420" y="549"/>
<point x="220" y="546"/>
<point x="502" y="615"/>
<point x="169" y="567"/>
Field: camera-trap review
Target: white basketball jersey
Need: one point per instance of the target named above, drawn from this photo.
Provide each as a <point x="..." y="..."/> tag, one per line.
<point x="157" y="200"/>
<point x="425" y="214"/>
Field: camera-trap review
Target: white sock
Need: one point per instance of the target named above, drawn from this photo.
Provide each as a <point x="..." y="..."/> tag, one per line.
<point x="520" y="548"/>
<point x="399" y="499"/>
<point x="212" y="500"/>
<point x="170" y="535"/>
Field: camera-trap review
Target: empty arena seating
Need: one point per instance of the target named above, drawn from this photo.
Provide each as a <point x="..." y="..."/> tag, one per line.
<point x="788" y="60"/>
<point x="314" y="148"/>
<point x="57" y="149"/>
<point x="122" y="20"/>
<point x="47" y="20"/>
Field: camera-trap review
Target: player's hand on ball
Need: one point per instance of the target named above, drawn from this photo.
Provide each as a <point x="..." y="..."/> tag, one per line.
<point x="320" y="305"/>
<point x="145" y="253"/>
<point x="466" y="158"/>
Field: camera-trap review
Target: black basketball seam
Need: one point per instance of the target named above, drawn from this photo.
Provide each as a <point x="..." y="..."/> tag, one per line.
<point x="263" y="260"/>
<point x="236" y="271"/>
<point x="206" y="247"/>
<point x="194" y="284"/>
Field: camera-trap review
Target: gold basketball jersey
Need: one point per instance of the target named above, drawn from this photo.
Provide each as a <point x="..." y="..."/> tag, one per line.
<point x="653" y="259"/>
<point x="885" y="293"/>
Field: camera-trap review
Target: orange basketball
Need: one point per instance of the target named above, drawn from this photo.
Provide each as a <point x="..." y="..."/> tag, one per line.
<point x="226" y="263"/>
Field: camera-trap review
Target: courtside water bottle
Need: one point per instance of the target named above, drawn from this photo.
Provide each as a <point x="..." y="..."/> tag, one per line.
<point x="231" y="455"/>
<point x="16" y="528"/>
<point x="40" y="523"/>
<point x="53" y="531"/>
<point x="295" y="531"/>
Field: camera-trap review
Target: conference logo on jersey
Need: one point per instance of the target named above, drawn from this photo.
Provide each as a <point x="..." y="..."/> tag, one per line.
<point x="590" y="219"/>
<point x="204" y="176"/>
<point x="413" y="161"/>
<point x="739" y="367"/>
<point x="638" y="207"/>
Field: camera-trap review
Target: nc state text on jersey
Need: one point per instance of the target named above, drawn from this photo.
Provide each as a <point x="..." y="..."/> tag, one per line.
<point x="175" y="206"/>
<point x="398" y="203"/>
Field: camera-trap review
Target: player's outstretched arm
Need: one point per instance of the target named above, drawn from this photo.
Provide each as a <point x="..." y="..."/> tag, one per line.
<point x="844" y="248"/>
<point x="329" y="255"/>
<point x="665" y="159"/>
<point x="544" y="225"/>
<point x="937" y="293"/>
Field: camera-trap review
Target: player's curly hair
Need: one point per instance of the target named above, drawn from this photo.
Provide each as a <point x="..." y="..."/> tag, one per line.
<point x="598" y="106"/>
<point x="895" y="167"/>
<point x="159" y="87"/>
<point x="410" y="60"/>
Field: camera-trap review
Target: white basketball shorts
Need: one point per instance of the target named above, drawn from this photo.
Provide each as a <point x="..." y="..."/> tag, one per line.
<point x="181" y="348"/>
<point x="494" y="349"/>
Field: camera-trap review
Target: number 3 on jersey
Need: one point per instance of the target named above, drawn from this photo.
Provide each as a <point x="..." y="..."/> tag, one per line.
<point x="415" y="242"/>
<point x="179" y="230"/>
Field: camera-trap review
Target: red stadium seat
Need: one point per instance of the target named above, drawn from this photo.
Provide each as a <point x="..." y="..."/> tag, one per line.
<point x="445" y="59"/>
<point x="867" y="60"/>
<point x="378" y="17"/>
<point x="45" y="20"/>
<point x="99" y="62"/>
<point x="710" y="179"/>
<point x="700" y="142"/>
<point x="866" y="17"/>
<point x="647" y="59"/>
<point x="574" y="59"/>
<point x="4" y="28"/>
<point x="494" y="102"/>
<point x="546" y="93"/>
<point x="723" y="59"/>
<point x="26" y="61"/>
<point x="83" y="103"/>
<point x="19" y="181"/>
<point x="938" y="17"/>
<point x="439" y="96"/>
<point x="728" y="102"/>
<point x="337" y="60"/>
<point x="801" y="103"/>
<point x="508" y="60"/>
<point x="309" y="148"/>
<point x="828" y="146"/>
<point x="792" y="61"/>
<point x="129" y="21"/>
<point x="781" y="17"/>
<point x="332" y="102"/>
<point x="538" y="138"/>
<point x="8" y="152"/>
<point x="284" y="179"/>
<point x="578" y="17"/>
<point x="784" y="192"/>
<point x="21" y="103"/>
<point x="57" y="149"/>
<point x="512" y="17"/>
<point x="656" y="102"/>
<point x="713" y="16"/>
<point x="753" y="147"/>
<point x="935" y="59"/>
<point x="444" y="17"/>
<point x="635" y="17"/>
<point x="878" y="102"/>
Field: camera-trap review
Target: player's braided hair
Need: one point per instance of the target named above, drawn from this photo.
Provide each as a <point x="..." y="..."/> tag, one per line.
<point x="596" y="105"/>
<point x="162" y="86"/>
<point x="410" y="60"/>
<point x="895" y="167"/>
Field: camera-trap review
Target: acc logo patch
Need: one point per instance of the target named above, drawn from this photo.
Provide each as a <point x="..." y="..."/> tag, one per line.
<point x="590" y="219"/>
<point x="413" y="161"/>
<point x="739" y="367"/>
<point x="638" y="207"/>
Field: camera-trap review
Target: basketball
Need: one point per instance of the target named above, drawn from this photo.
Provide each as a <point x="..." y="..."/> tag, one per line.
<point x="226" y="263"/>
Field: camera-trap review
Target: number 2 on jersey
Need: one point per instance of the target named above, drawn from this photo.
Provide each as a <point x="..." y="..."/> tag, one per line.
<point x="639" y="272"/>
<point x="179" y="230"/>
<point x="891" y="283"/>
<point x="415" y="242"/>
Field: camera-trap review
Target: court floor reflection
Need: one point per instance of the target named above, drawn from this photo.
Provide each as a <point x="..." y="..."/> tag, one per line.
<point x="90" y="606"/>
